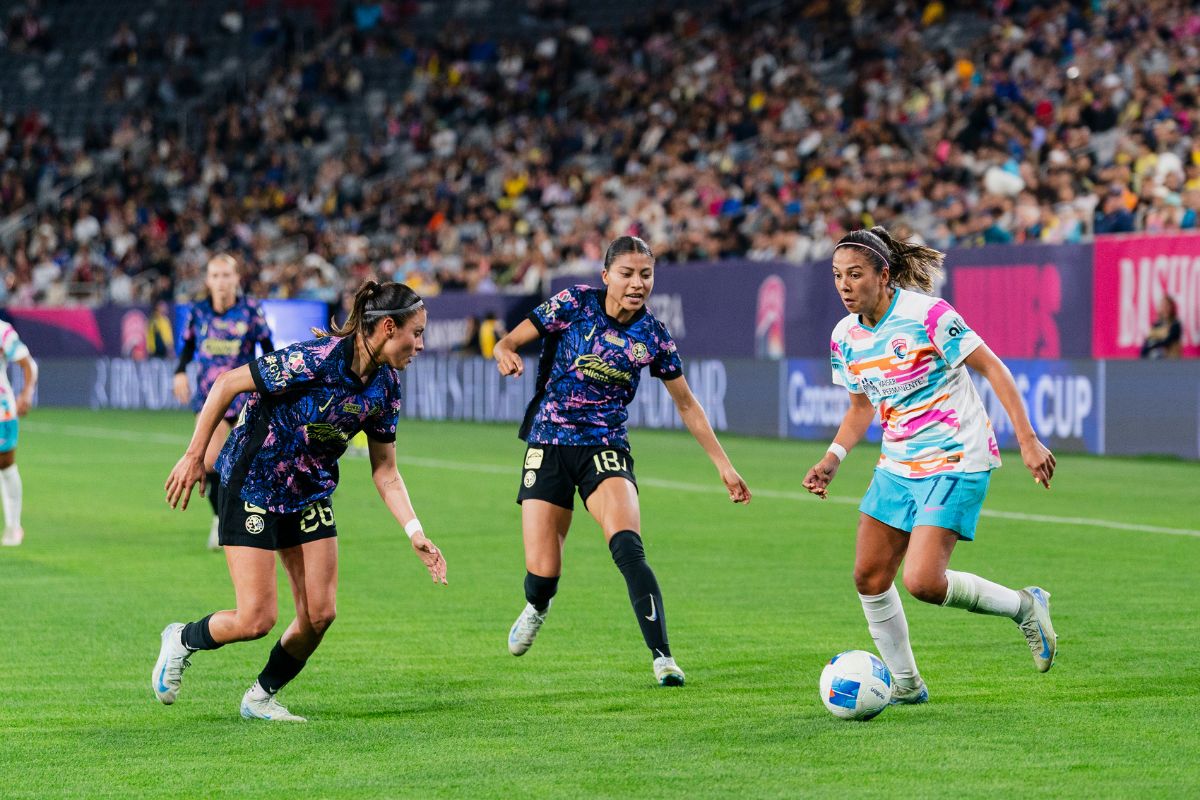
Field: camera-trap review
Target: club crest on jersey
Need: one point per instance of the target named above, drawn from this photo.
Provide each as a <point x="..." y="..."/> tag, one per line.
<point x="530" y="478"/>
<point x="295" y="362"/>
<point x="254" y="524"/>
<point x="640" y="352"/>
<point x="900" y="347"/>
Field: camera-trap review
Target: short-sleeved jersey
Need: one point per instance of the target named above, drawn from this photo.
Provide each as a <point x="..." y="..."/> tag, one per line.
<point x="590" y="368"/>
<point x="284" y="450"/>
<point x="223" y="342"/>
<point x="910" y="366"/>
<point x="12" y="349"/>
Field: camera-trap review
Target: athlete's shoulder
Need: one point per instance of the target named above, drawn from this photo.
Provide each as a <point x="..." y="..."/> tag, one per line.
<point x="915" y="304"/>
<point x="844" y="326"/>
<point x="5" y="327"/>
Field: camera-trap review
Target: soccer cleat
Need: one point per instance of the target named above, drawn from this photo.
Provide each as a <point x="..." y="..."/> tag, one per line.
<point x="214" y="535"/>
<point x="667" y="672"/>
<point x="525" y="629"/>
<point x="267" y="708"/>
<point x="1035" y="624"/>
<point x="172" y="661"/>
<point x="909" y="695"/>
<point x="12" y="537"/>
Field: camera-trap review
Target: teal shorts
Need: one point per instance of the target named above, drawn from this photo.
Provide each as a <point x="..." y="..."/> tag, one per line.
<point x="951" y="500"/>
<point x="8" y="436"/>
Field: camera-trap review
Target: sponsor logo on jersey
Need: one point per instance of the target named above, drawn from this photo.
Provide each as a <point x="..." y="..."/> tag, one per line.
<point x="350" y="407"/>
<point x="594" y="367"/>
<point x="614" y="339"/>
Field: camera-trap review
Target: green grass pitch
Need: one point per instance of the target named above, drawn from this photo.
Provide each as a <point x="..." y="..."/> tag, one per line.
<point x="414" y="694"/>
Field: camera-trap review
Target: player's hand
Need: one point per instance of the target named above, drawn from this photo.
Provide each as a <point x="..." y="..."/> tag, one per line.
<point x="430" y="556"/>
<point x="1038" y="460"/>
<point x="509" y="363"/>
<point x="739" y="492"/>
<point x="181" y="389"/>
<point x="187" y="473"/>
<point x="24" y="403"/>
<point x="821" y="475"/>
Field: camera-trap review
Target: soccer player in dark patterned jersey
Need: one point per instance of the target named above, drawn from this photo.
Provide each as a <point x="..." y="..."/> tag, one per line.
<point x="222" y="332"/>
<point x="597" y="341"/>
<point x="278" y="470"/>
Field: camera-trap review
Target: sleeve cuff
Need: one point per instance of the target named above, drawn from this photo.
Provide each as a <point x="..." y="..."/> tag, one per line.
<point x="537" y="323"/>
<point x="259" y="384"/>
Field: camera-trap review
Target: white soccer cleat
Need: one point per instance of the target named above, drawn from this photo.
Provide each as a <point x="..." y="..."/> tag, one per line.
<point x="525" y="629"/>
<point x="214" y="535"/>
<point x="1035" y="624"/>
<point x="909" y="695"/>
<point x="667" y="672"/>
<point x="12" y="537"/>
<point x="268" y="708"/>
<point x="172" y="661"/>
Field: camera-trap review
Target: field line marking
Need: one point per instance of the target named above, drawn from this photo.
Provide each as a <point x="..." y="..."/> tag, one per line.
<point x="679" y="486"/>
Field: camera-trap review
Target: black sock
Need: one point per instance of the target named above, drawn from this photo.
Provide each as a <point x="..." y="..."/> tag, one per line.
<point x="627" y="552"/>
<point x="196" y="636"/>
<point x="539" y="591"/>
<point x="213" y="485"/>
<point x="281" y="667"/>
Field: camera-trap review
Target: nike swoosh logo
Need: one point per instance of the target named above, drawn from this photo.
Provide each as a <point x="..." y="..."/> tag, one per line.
<point x="653" y="611"/>
<point x="1045" y="642"/>
<point x="588" y="338"/>
<point x="328" y="400"/>
<point x="162" y="687"/>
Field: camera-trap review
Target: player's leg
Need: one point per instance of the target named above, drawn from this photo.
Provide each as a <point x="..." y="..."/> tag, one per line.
<point x="312" y="570"/>
<point x="252" y="570"/>
<point x="614" y="504"/>
<point x="213" y="478"/>
<point x="547" y="498"/>
<point x="879" y="549"/>
<point x="887" y="513"/>
<point x="544" y="527"/>
<point x="11" y="491"/>
<point x="949" y="513"/>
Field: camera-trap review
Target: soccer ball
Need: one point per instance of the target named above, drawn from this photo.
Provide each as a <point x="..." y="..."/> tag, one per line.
<point x="856" y="685"/>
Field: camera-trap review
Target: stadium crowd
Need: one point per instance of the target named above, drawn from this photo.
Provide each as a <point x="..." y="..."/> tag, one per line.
<point x="486" y="163"/>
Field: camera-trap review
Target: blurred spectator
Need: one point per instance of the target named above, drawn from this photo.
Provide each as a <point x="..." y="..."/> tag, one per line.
<point x="1165" y="339"/>
<point x="159" y="332"/>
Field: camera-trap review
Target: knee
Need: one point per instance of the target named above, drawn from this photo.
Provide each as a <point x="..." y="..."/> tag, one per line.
<point x="926" y="587"/>
<point x="870" y="581"/>
<point x="320" y="618"/>
<point x="626" y="548"/>
<point x="256" y="625"/>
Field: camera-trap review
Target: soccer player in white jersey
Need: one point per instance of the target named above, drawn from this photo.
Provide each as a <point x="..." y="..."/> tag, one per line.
<point x="903" y="353"/>
<point x="12" y="405"/>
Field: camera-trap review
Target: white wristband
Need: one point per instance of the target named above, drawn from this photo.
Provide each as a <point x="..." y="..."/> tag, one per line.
<point x="412" y="527"/>
<point x="837" y="450"/>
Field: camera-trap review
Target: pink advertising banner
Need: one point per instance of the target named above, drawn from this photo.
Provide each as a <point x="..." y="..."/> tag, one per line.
<point x="1132" y="275"/>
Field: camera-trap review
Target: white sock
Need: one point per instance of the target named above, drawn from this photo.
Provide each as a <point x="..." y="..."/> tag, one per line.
<point x="889" y="629"/>
<point x="964" y="590"/>
<point x="10" y="492"/>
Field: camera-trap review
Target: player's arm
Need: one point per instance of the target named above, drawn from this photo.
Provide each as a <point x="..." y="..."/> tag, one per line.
<point x="693" y="416"/>
<point x="854" y="427"/>
<point x="29" y="369"/>
<point x="1037" y="457"/>
<point x="394" y="494"/>
<point x="180" y="385"/>
<point x="507" y="360"/>
<point x="190" y="468"/>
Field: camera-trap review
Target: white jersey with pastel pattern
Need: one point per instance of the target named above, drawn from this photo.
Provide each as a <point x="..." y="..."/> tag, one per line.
<point x="12" y="349"/>
<point x="910" y="366"/>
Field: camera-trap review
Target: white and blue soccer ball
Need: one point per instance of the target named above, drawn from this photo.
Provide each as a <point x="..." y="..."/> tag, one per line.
<point x="856" y="685"/>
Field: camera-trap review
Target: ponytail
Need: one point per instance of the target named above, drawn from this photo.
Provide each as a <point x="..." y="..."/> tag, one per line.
<point x="911" y="266"/>
<point x="373" y="302"/>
